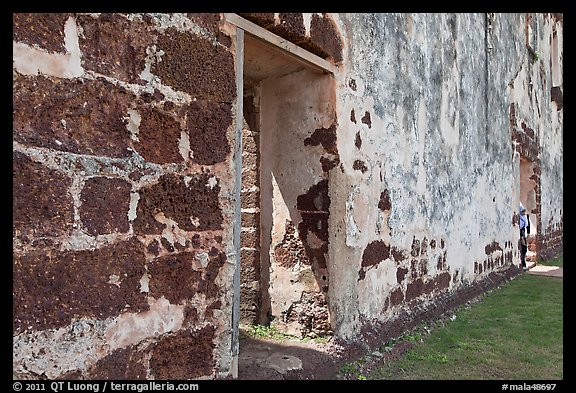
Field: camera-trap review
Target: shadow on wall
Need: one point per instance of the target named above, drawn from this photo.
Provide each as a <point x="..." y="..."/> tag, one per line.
<point x="298" y="148"/>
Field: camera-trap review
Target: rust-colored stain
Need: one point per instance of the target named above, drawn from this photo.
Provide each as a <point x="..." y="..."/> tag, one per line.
<point x="174" y="277"/>
<point x="291" y="27"/>
<point x="196" y="66"/>
<point x="324" y="38"/>
<point x="122" y="364"/>
<point x="358" y="141"/>
<point x="384" y="203"/>
<point x="62" y="114"/>
<point x="114" y="46"/>
<point x="45" y="30"/>
<point x="105" y="205"/>
<point x="158" y="136"/>
<point x="180" y="202"/>
<point x="374" y="253"/>
<point x="366" y="119"/>
<point x="325" y="137"/>
<point x="52" y="288"/>
<point x="41" y="203"/>
<point x="183" y="355"/>
<point x="359" y="165"/>
<point x="207" y="124"/>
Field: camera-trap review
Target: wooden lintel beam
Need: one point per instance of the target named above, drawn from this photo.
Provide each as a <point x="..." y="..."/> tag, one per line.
<point x="287" y="47"/>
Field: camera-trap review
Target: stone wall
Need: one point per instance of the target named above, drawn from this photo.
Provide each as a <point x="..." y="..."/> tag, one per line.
<point x="123" y="139"/>
<point x="139" y="245"/>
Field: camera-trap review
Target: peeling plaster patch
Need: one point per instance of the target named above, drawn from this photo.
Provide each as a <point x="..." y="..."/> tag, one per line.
<point x="114" y="280"/>
<point x="131" y="328"/>
<point x="144" y="283"/>
<point x="154" y="82"/>
<point x="358" y="213"/>
<point x="133" y="123"/>
<point x="79" y="240"/>
<point x="184" y="147"/>
<point x="146" y="74"/>
<point x="374" y="253"/>
<point x="171" y="231"/>
<point x="202" y="257"/>
<point x="212" y="182"/>
<point x="134" y="198"/>
<point x="72" y="45"/>
<point x="307" y="19"/>
<point x="54" y="352"/>
<point x="352" y="231"/>
<point x="31" y="61"/>
<point x="375" y="288"/>
<point x="195" y="221"/>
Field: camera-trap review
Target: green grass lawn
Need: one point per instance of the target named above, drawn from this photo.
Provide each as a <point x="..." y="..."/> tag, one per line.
<point x="515" y="332"/>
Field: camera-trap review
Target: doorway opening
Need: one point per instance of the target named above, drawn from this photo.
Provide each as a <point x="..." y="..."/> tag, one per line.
<point x="528" y="198"/>
<point x="289" y="147"/>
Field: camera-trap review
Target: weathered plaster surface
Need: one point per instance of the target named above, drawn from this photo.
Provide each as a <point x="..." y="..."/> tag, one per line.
<point x="389" y="185"/>
<point x="430" y="107"/>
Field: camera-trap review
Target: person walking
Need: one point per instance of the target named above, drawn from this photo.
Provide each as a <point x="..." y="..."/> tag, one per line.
<point x="524" y="227"/>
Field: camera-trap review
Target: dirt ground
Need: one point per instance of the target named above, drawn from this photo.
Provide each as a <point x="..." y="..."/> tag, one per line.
<point x="289" y="360"/>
